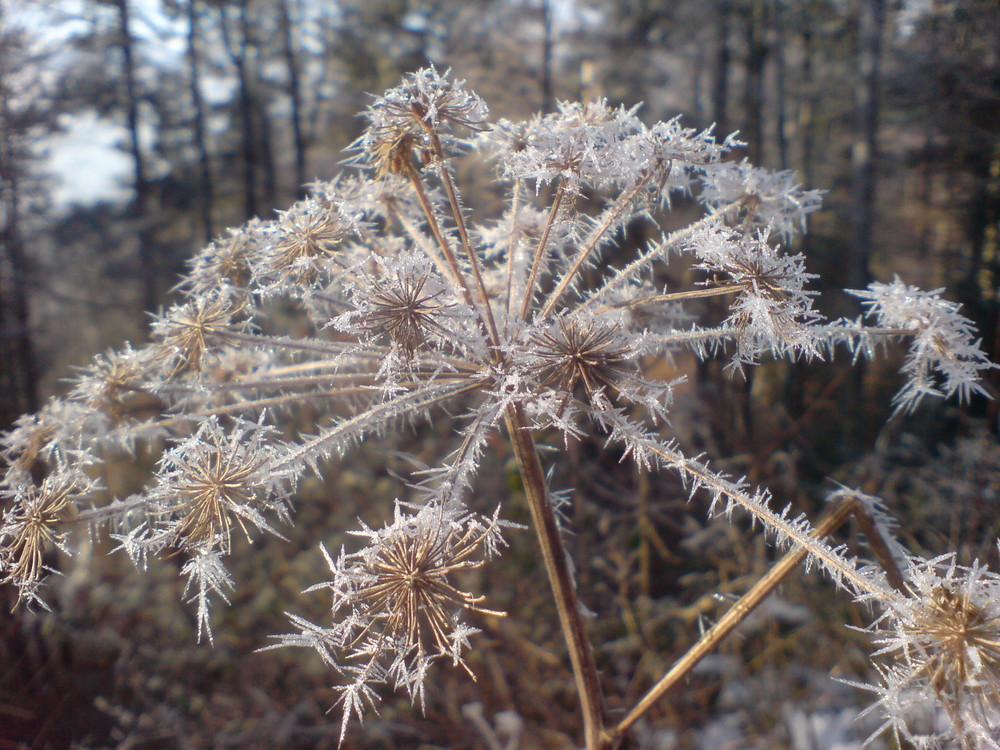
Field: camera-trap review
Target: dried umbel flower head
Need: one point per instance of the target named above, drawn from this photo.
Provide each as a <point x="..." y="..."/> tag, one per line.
<point x="402" y="305"/>
<point x="226" y="262"/>
<point x="402" y="302"/>
<point x="405" y="579"/>
<point x="187" y="332"/>
<point x="114" y="384"/>
<point x="408" y="118"/>
<point x="213" y="480"/>
<point x="942" y="639"/>
<point x="588" y="353"/>
<point x="396" y="605"/>
<point x="35" y="522"/>
<point x="306" y="238"/>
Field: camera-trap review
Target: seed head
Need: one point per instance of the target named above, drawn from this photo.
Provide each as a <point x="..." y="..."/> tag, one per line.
<point x="574" y="352"/>
<point x="213" y="480"/>
<point x="307" y="237"/>
<point x="31" y="526"/>
<point x="408" y="585"/>
<point x="405" y="311"/>
<point x="185" y="333"/>
<point x="113" y="384"/>
<point x="944" y="639"/>
<point x="400" y="121"/>
<point x="226" y="261"/>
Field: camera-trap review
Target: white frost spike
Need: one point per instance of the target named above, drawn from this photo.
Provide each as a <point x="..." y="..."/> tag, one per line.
<point x="945" y="357"/>
<point x="208" y="576"/>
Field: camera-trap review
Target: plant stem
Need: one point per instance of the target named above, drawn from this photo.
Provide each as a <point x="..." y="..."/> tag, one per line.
<point x="654" y="299"/>
<point x="515" y="204"/>
<point x="736" y="614"/>
<point x="463" y="236"/>
<point x="564" y="590"/>
<point x="432" y="223"/>
<point x="536" y="261"/>
<point x="610" y="217"/>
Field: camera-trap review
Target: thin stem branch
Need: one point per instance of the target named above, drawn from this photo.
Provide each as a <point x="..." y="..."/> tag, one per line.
<point x="610" y="217"/>
<point x="371" y="419"/>
<point x="463" y="235"/>
<point x="554" y="555"/>
<point x="642" y="262"/>
<point x="655" y="299"/>
<point x="880" y="548"/>
<point x="539" y="255"/>
<point x="283" y="343"/>
<point x="515" y="205"/>
<point x="421" y="241"/>
<point x="435" y="227"/>
<point x="488" y="324"/>
<point x="736" y="614"/>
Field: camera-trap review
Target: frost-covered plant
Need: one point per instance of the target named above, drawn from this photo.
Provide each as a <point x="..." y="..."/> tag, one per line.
<point x="940" y="646"/>
<point x="380" y="300"/>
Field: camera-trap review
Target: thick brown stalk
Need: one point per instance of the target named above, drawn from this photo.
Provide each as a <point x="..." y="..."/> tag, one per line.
<point x="564" y="591"/>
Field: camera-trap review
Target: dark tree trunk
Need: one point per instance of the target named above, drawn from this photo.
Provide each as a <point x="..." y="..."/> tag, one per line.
<point x="807" y="102"/>
<point x="753" y="95"/>
<point x="548" y="94"/>
<point x="984" y="214"/>
<point x="238" y="56"/>
<point x="871" y="22"/>
<point x="295" y="97"/>
<point x="198" y="122"/>
<point x="150" y="262"/>
<point x="720" y="84"/>
<point x="268" y="168"/>
<point x="19" y="371"/>
<point x="780" y="85"/>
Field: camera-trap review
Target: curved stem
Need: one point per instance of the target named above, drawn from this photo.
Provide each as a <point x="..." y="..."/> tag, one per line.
<point x="563" y="588"/>
<point x="639" y="264"/>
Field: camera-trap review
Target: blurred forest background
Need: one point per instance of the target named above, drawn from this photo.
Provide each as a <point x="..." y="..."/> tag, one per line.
<point x="215" y="111"/>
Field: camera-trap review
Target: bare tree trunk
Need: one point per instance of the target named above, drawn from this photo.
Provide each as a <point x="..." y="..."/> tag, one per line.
<point x="150" y="262"/>
<point x="807" y="102"/>
<point x="294" y="96"/>
<point x="548" y="95"/>
<point x="753" y="98"/>
<point x="984" y="213"/>
<point x="871" y="23"/>
<point x="238" y="57"/>
<point x="204" y="161"/>
<point x="780" y="85"/>
<point x="268" y="168"/>
<point x="19" y="373"/>
<point x="720" y="84"/>
<point x="259" y="112"/>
